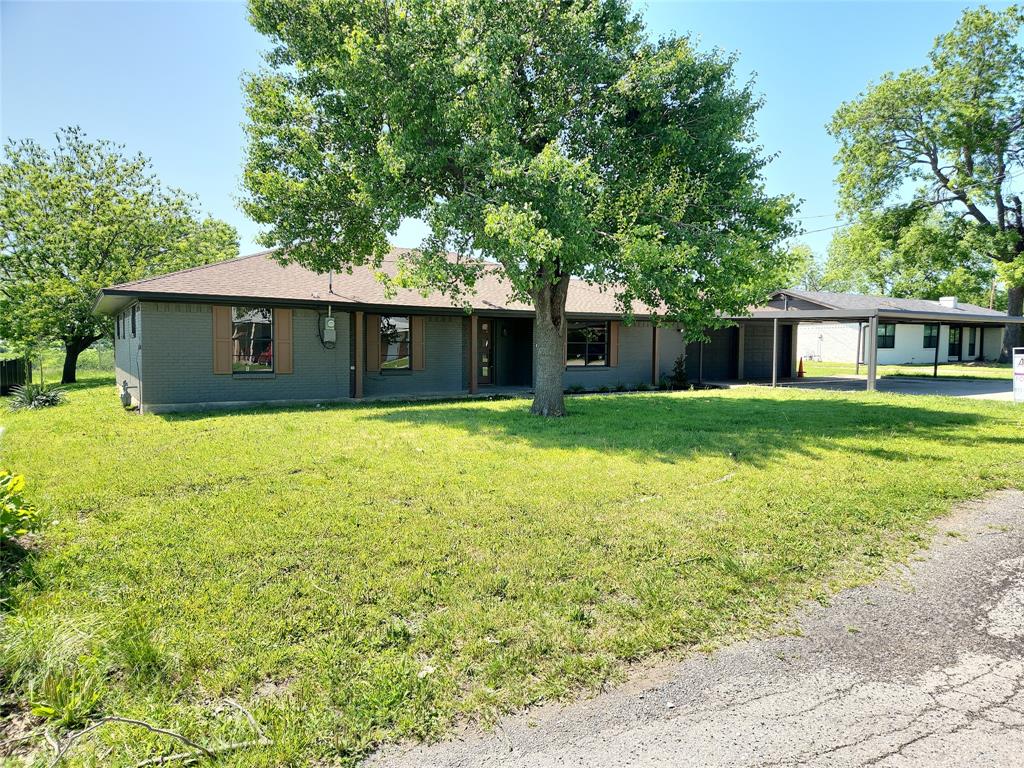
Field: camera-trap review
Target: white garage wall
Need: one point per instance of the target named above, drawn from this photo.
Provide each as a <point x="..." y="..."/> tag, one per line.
<point x="837" y="343"/>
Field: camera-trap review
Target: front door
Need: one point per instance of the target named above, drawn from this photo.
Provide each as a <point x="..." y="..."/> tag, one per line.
<point x="956" y="342"/>
<point x="972" y="342"/>
<point x="485" y="351"/>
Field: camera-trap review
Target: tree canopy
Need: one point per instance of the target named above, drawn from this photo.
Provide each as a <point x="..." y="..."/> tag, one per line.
<point x="547" y="140"/>
<point x="912" y="253"/>
<point x="81" y="216"/>
<point x="948" y="137"/>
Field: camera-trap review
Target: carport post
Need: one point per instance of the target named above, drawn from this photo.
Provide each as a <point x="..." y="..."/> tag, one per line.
<point x="775" y="351"/>
<point x="872" y="352"/>
<point x="938" y="335"/>
<point x="860" y="346"/>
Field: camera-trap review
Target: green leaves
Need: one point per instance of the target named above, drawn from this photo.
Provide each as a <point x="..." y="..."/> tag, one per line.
<point x="17" y="516"/>
<point x="554" y="139"/>
<point x="82" y="216"/>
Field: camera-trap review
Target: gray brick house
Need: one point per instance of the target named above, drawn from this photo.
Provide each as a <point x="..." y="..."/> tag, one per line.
<point x="252" y="331"/>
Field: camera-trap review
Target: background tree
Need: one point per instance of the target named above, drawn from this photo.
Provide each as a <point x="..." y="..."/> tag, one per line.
<point x="544" y="140"/>
<point x="800" y="269"/>
<point x="80" y="217"/>
<point x="910" y="252"/>
<point x="949" y="136"/>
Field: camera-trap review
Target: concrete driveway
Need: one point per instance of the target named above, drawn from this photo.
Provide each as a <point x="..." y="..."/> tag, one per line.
<point x="987" y="389"/>
<point x="925" y="668"/>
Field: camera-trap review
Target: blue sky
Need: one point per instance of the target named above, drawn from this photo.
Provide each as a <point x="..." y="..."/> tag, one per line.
<point x="164" y="78"/>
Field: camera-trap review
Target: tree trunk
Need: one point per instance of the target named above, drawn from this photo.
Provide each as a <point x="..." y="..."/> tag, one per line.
<point x="549" y="328"/>
<point x="72" y="349"/>
<point x="1013" y="337"/>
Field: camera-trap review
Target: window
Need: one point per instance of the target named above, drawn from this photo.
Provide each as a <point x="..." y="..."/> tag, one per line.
<point x="587" y="344"/>
<point x="395" y="343"/>
<point x="931" y="337"/>
<point x="886" y="335"/>
<point x="120" y="316"/>
<point x="134" y="308"/>
<point x="252" y="340"/>
<point x="972" y="341"/>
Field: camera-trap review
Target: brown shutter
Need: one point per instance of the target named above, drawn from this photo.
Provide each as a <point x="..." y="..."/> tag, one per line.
<point x="613" y="343"/>
<point x="418" y="324"/>
<point x="283" y="341"/>
<point x="222" y="344"/>
<point x="373" y="342"/>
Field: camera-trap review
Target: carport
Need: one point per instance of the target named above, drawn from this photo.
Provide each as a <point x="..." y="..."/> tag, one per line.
<point x="761" y="345"/>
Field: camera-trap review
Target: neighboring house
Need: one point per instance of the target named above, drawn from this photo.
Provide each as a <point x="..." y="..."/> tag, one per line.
<point x="956" y="340"/>
<point x="251" y="331"/>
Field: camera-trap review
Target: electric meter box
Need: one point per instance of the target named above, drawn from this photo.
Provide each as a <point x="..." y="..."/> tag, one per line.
<point x="330" y="334"/>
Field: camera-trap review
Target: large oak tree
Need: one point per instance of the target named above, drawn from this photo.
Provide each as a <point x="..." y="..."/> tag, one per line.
<point x="81" y="216"/>
<point x="549" y="140"/>
<point x="949" y="136"/>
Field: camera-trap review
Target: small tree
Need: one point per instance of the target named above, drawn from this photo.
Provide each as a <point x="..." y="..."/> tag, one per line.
<point x="80" y="217"/>
<point x="948" y="136"/>
<point x="544" y="140"/>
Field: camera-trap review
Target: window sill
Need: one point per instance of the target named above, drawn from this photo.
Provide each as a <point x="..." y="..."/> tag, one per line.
<point x="395" y="372"/>
<point x="569" y="368"/>
<point x="253" y="375"/>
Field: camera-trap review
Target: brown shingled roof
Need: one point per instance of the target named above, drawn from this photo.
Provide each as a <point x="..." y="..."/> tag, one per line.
<point x="261" y="278"/>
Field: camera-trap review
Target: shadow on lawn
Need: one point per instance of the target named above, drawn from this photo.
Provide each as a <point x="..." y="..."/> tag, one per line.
<point x="749" y="430"/>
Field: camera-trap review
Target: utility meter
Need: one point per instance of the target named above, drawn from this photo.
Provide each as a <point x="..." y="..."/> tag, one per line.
<point x="330" y="334"/>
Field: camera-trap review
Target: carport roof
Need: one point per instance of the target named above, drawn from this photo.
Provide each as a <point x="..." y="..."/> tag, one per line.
<point x="839" y="307"/>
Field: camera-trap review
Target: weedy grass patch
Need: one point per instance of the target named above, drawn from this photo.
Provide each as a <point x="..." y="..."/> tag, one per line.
<point x="360" y="573"/>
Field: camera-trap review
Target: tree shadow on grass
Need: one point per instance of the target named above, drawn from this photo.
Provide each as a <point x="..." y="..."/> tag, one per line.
<point x="669" y="428"/>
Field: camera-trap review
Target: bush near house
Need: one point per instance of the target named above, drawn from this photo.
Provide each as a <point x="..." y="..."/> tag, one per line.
<point x="355" y="574"/>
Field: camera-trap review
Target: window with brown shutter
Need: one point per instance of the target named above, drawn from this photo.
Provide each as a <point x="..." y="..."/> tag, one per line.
<point x="419" y="361"/>
<point x="373" y="342"/>
<point x="613" y="343"/>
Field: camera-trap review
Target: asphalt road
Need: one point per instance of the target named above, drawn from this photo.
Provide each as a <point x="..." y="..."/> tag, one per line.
<point x="925" y="668"/>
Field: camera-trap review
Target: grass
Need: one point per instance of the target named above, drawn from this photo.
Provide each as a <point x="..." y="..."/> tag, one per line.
<point x="355" y="574"/>
<point x="951" y="370"/>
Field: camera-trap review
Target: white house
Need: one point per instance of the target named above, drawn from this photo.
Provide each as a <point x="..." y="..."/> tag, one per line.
<point x="898" y="342"/>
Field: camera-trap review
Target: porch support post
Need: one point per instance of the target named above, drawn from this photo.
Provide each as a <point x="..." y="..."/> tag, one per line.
<point x="739" y="351"/>
<point x="775" y="351"/>
<point x="938" y="336"/>
<point x="981" y="343"/>
<point x="872" y="352"/>
<point x="359" y="354"/>
<point x="474" y="352"/>
<point x="860" y="348"/>
<point x="654" y="355"/>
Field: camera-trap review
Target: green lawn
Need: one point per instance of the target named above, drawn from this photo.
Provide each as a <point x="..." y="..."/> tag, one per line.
<point x="355" y="574"/>
<point x="953" y="370"/>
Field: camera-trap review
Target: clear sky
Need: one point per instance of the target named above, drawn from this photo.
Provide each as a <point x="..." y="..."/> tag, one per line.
<point x="164" y="78"/>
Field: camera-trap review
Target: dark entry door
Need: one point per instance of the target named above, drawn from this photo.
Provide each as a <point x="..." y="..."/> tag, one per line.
<point x="956" y="341"/>
<point x="485" y="352"/>
<point x="972" y="341"/>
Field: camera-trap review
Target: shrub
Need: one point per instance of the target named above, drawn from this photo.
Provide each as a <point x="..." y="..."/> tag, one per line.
<point x="576" y="389"/>
<point x="17" y="516"/>
<point x="36" y="396"/>
<point x="620" y="387"/>
<point x="678" y="378"/>
<point x="604" y="388"/>
<point x="643" y="386"/>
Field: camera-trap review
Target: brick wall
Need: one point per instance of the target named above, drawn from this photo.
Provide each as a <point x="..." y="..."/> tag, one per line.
<point x="444" y="363"/>
<point x="177" y="366"/>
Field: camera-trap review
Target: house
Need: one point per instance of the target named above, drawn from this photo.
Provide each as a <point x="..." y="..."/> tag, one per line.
<point x="253" y="331"/>
<point x="906" y="343"/>
<point x="802" y="323"/>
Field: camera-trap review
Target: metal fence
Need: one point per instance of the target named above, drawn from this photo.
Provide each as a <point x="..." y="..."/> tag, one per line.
<point x="14" y="373"/>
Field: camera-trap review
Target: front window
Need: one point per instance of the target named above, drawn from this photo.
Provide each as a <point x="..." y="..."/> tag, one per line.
<point x="252" y="336"/>
<point x="395" y="343"/>
<point x="886" y="335"/>
<point x="955" y="340"/>
<point x="931" y="337"/>
<point x="587" y="344"/>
